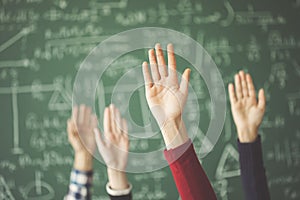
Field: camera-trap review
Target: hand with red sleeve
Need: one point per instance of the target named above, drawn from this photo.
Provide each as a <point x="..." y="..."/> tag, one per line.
<point x="166" y="98"/>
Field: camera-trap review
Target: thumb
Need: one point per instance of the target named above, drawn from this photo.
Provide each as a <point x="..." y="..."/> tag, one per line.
<point x="261" y="99"/>
<point x="185" y="78"/>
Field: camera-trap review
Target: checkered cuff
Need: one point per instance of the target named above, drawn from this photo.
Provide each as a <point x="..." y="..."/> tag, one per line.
<point x="80" y="186"/>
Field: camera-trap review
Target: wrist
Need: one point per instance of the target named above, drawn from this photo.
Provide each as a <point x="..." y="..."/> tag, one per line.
<point x="174" y="133"/>
<point x="117" y="179"/>
<point x="83" y="161"/>
<point x="247" y="135"/>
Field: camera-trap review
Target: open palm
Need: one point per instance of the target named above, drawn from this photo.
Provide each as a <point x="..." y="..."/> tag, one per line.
<point x="246" y="110"/>
<point x="165" y="97"/>
<point x="80" y="129"/>
<point x="115" y="144"/>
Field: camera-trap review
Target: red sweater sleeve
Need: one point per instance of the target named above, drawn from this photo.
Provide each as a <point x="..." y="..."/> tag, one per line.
<point x="190" y="178"/>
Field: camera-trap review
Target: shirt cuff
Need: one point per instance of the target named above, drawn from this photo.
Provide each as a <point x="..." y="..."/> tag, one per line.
<point x="80" y="184"/>
<point x="83" y="178"/>
<point x="112" y="192"/>
<point x="172" y="155"/>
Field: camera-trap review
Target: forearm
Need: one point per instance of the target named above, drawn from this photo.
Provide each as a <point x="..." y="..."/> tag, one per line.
<point x="252" y="171"/>
<point x="174" y="133"/>
<point x="81" y="177"/>
<point x="118" y="187"/>
<point x="117" y="179"/>
<point x="190" y="178"/>
<point x="83" y="161"/>
<point x="247" y="134"/>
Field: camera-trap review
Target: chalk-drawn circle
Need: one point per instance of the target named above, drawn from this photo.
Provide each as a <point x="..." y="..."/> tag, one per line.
<point x="92" y="69"/>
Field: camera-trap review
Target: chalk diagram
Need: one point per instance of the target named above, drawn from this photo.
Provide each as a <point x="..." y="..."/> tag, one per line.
<point x="107" y="7"/>
<point x="59" y="100"/>
<point x="228" y="167"/>
<point x="38" y="189"/>
<point x="5" y="192"/>
<point x="294" y="103"/>
<point x="228" y="164"/>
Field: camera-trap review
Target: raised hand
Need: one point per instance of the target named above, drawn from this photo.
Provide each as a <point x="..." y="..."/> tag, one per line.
<point x="165" y="97"/>
<point x="81" y="137"/>
<point x="247" y="111"/>
<point x="114" y="148"/>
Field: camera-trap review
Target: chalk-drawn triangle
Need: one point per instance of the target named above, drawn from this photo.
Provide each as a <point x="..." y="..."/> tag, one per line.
<point x="228" y="164"/>
<point x="221" y="188"/>
<point x="206" y="145"/>
<point x="201" y="143"/>
<point x="4" y="190"/>
<point x="59" y="101"/>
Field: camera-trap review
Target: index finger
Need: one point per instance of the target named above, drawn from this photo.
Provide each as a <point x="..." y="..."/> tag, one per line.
<point x="147" y="76"/>
<point x="231" y="91"/>
<point x="153" y="65"/>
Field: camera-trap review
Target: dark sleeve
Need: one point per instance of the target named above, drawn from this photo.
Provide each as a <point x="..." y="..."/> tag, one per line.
<point x="253" y="175"/>
<point x="190" y="179"/>
<point x="123" y="197"/>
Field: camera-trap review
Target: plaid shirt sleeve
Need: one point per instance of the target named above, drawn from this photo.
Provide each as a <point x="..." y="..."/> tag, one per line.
<point x="80" y="185"/>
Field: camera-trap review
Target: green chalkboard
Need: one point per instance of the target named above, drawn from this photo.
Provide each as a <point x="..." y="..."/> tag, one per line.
<point x="43" y="44"/>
